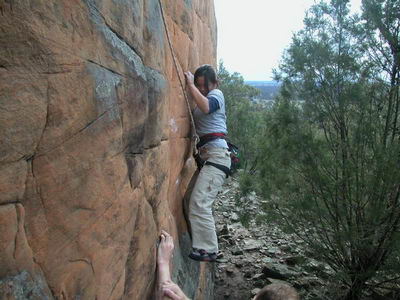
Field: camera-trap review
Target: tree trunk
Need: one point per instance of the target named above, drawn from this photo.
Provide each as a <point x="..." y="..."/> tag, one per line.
<point x="355" y="291"/>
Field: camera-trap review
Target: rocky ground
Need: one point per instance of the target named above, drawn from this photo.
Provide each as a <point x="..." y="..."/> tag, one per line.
<point x="256" y="252"/>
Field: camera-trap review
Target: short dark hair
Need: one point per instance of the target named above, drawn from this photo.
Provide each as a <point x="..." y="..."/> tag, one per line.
<point x="277" y="291"/>
<point x="210" y="76"/>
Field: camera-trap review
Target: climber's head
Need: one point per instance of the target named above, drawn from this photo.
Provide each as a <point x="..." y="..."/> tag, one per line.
<point x="205" y="79"/>
<point x="277" y="291"/>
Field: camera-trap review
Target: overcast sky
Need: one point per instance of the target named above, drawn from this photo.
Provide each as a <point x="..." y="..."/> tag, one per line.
<point x="252" y="34"/>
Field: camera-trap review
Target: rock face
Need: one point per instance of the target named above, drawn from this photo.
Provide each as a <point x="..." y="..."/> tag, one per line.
<point x="95" y="157"/>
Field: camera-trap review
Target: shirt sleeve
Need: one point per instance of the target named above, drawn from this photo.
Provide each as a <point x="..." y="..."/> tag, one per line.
<point x="213" y="104"/>
<point x="215" y="100"/>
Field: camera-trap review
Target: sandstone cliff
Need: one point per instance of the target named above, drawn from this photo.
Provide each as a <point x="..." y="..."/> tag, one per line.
<point x="94" y="151"/>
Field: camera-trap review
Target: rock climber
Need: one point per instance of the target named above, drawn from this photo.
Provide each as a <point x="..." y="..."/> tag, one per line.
<point x="210" y="120"/>
<point x="167" y="288"/>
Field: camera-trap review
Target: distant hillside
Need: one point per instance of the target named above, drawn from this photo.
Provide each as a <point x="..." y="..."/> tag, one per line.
<point x="268" y="89"/>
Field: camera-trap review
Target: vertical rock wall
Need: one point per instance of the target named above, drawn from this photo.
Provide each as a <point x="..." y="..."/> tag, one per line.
<point x="94" y="151"/>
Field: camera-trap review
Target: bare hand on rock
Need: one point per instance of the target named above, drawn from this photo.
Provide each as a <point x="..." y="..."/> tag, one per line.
<point x="165" y="248"/>
<point x="173" y="291"/>
<point x="189" y="77"/>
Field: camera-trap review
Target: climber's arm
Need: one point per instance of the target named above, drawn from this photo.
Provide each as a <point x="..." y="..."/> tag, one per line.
<point x="164" y="274"/>
<point x="201" y="101"/>
<point x="166" y="288"/>
<point x="173" y="291"/>
<point x="164" y="255"/>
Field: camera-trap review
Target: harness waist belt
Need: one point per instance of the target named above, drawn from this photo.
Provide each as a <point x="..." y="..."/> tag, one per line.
<point x="209" y="137"/>
<point x="223" y="168"/>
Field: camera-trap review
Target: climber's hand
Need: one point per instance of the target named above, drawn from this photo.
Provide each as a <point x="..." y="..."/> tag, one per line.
<point x="165" y="248"/>
<point x="189" y="77"/>
<point x="173" y="291"/>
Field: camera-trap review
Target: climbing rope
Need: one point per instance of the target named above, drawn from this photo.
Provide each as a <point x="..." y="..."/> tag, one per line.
<point x="195" y="137"/>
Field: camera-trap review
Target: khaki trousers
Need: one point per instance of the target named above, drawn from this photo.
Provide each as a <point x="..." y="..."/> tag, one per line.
<point x="208" y="183"/>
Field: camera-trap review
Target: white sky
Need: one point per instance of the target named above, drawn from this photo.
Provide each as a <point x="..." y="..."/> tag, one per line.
<point x="252" y="34"/>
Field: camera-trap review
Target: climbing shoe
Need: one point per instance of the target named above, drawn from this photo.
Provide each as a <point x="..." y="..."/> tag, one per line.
<point x="203" y="255"/>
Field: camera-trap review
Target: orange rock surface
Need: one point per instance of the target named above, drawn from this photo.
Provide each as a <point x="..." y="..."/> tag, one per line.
<point x="95" y="154"/>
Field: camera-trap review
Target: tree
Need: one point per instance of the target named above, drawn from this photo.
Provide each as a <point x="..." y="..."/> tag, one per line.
<point x="244" y="118"/>
<point x="334" y="161"/>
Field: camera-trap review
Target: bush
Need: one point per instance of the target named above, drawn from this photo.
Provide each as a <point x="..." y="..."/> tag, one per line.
<point x="246" y="183"/>
<point x="332" y="162"/>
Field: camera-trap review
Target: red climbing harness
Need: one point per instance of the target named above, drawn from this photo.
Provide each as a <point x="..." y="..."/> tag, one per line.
<point x="209" y="137"/>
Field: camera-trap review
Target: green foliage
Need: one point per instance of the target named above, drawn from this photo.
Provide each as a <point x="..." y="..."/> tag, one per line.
<point x="262" y="219"/>
<point x="333" y="161"/>
<point x="327" y="153"/>
<point x="244" y="218"/>
<point x="246" y="183"/>
<point x="243" y="116"/>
